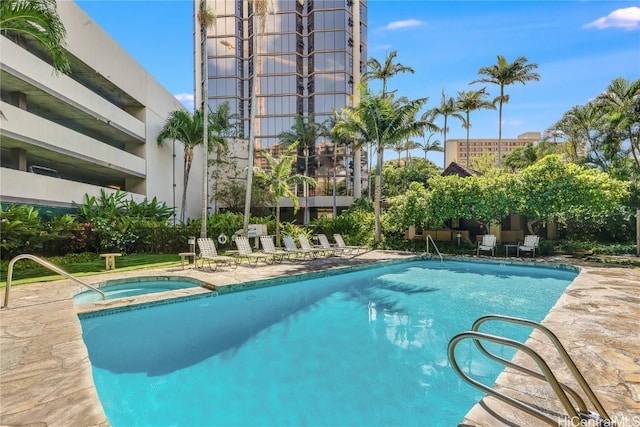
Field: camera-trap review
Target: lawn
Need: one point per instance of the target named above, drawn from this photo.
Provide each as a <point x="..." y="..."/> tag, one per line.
<point x="28" y="271"/>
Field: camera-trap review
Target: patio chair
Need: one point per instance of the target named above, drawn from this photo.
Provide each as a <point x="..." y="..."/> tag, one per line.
<point x="324" y="243"/>
<point x="305" y="245"/>
<point x="209" y="254"/>
<point x="268" y="247"/>
<point x="291" y="247"/>
<point x="340" y="242"/>
<point x="530" y="244"/>
<point x="246" y="252"/>
<point x="488" y="243"/>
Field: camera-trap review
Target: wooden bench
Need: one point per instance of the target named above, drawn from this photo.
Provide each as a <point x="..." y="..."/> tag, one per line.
<point x="183" y="255"/>
<point x="110" y="260"/>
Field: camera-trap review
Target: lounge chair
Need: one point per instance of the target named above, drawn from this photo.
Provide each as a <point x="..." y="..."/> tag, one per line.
<point x="209" y="254"/>
<point x="324" y="243"/>
<point x="305" y="245"/>
<point x="269" y="248"/>
<point x="488" y="243"/>
<point x="530" y="244"/>
<point x="340" y="242"/>
<point x="291" y="247"/>
<point x="245" y="252"/>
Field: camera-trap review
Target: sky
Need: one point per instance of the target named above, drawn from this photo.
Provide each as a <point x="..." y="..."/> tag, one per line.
<point x="580" y="46"/>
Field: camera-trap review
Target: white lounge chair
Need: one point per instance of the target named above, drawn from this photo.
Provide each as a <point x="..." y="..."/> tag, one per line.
<point x="324" y="243"/>
<point x="530" y="244"/>
<point x="305" y="245"/>
<point x="340" y="242"/>
<point x="209" y="254"/>
<point x="291" y="247"/>
<point x="246" y="252"/>
<point x="488" y="243"/>
<point x="268" y="247"/>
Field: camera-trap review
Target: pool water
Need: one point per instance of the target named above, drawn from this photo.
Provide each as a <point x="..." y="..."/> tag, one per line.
<point x="357" y="349"/>
<point x="132" y="287"/>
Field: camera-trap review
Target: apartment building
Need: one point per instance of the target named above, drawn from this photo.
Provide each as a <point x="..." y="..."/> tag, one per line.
<point x="309" y="60"/>
<point x="457" y="148"/>
<point x="66" y="136"/>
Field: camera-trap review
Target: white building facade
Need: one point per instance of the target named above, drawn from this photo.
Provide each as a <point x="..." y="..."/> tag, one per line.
<point x="66" y="136"/>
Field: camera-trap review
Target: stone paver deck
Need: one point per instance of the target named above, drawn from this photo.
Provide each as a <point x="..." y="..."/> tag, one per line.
<point x="45" y="373"/>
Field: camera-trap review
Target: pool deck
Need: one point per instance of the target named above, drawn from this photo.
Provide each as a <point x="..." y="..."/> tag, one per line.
<point x="45" y="373"/>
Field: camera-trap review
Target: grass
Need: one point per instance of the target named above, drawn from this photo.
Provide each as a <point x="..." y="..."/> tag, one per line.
<point x="27" y="271"/>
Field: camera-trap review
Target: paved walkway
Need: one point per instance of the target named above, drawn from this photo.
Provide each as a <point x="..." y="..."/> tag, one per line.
<point x="45" y="373"/>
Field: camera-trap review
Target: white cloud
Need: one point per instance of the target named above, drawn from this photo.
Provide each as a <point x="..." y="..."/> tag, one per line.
<point x="381" y="47"/>
<point x="627" y="18"/>
<point x="186" y="99"/>
<point x="407" y="23"/>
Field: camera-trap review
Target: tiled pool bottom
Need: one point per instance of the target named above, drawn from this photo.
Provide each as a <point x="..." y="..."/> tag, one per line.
<point x="42" y="329"/>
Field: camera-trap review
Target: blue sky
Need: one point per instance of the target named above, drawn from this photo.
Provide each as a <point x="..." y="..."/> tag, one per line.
<point x="579" y="46"/>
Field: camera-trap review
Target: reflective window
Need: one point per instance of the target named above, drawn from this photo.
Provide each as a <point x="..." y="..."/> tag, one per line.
<point x="335" y="82"/>
<point x="222" y="87"/>
<point x="335" y="61"/>
<point x="222" y="67"/>
<point x="279" y="64"/>
<point x="330" y="40"/>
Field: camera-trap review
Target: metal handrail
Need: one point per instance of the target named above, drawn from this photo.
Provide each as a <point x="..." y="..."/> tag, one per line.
<point x="429" y="238"/>
<point x="560" y="389"/>
<point x="551" y="379"/>
<point x="564" y="355"/>
<point x="47" y="265"/>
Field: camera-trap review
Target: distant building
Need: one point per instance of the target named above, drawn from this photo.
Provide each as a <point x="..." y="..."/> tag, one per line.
<point x="64" y="136"/>
<point x="457" y="148"/>
<point x="309" y="61"/>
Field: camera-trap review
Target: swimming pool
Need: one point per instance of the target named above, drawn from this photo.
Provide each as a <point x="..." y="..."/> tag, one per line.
<point x="363" y="348"/>
<point x="121" y="288"/>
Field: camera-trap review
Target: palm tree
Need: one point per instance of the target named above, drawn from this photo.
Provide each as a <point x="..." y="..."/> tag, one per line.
<point x="329" y="128"/>
<point x="279" y="180"/>
<point x="304" y="133"/>
<point x="188" y="128"/>
<point x="430" y="146"/>
<point x="472" y="101"/>
<point x="206" y="17"/>
<point x="621" y="103"/>
<point x="383" y="72"/>
<point x="261" y="8"/>
<point x="385" y="121"/>
<point x="579" y="126"/>
<point x="398" y="147"/>
<point x="37" y="19"/>
<point x="504" y="74"/>
<point x="448" y="108"/>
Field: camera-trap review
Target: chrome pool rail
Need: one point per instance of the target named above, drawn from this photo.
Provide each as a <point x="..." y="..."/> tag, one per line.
<point x="430" y="239"/>
<point x="600" y="418"/>
<point x="45" y="264"/>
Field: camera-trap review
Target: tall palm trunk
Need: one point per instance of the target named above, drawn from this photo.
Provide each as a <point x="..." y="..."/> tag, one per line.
<point x="468" y="126"/>
<point x="378" y="196"/>
<point x="444" y="145"/>
<point x="278" y="222"/>
<point x="500" y="126"/>
<point x="188" y="159"/>
<point x="252" y="122"/>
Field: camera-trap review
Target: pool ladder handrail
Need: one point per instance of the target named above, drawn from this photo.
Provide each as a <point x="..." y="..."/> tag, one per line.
<point x="601" y="418"/>
<point x="430" y="239"/>
<point x="45" y="264"/>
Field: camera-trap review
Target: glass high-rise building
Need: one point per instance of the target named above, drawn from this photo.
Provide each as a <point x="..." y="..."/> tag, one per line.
<point x="309" y="59"/>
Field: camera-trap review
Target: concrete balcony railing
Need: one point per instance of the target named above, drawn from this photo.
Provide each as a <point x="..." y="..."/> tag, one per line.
<point x="61" y="140"/>
<point x="35" y="72"/>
